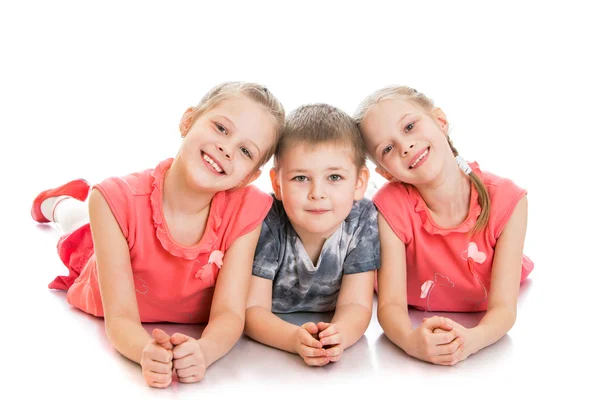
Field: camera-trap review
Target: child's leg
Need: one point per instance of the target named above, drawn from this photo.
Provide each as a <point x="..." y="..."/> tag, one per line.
<point x="42" y="208"/>
<point x="67" y="212"/>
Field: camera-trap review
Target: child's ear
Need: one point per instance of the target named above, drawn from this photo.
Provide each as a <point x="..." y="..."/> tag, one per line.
<point x="440" y="119"/>
<point x="186" y="121"/>
<point x="275" y="183"/>
<point x="384" y="173"/>
<point x="362" y="182"/>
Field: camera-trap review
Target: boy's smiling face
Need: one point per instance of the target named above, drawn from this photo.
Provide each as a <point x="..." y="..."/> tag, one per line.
<point x="318" y="186"/>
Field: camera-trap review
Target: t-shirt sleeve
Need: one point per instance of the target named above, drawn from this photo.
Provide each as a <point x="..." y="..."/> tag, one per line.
<point x="394" y="203"/>
<point x="504" y="197"/>
<point x="251" y="205"/>
<point x="266" y="256"/>
<point x="120" y="198"/>
<point x="364" y="243"/>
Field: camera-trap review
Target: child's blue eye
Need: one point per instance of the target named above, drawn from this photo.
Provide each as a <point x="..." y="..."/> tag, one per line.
<point x="335" y="177"/>
<point x="221" y="128"/>
<point x="300" y="178"/>
<point x="387" y="149"/>
<point x="246" y="152"/>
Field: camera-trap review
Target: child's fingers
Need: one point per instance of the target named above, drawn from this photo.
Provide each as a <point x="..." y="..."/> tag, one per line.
<point x="448" y="359"/>
<point x="436" y="339"/>
<point x="449" y="348"/>
<point x="308" y="340"/>
<point x="331" y="330"/>
<point x="331" y="340"/>
<point x="187" y="372"/>
<point x="160" y="367"/>
<point x="306" y="351"/>
<point x="311" y="327"/>
<point x="334" y="352"/>
<point x="162" y="338"/>
<point x="184" y="349"/>
<point x="322" y="325"/>
<point x="159" y="354"/>
<point x="316" y="361"/>
<point x="191" y="379"/>
<point x="179" y="338"/>
<point x="437" y="322"/>
<point x="155" y="378"/>
<point x="185" y="362"/>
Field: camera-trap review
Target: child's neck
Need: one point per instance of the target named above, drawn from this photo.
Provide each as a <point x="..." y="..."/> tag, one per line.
<point x="313" y="243"/>
<point x="185" y="210"/>
<point x="448" y="197"/>
<point x="179" y="197"/>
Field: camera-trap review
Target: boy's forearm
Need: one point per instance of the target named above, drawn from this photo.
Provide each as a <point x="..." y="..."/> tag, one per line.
<point x="396" y="324"/>
<point x="220" y="335"/>
<point x="495" y="324"/>
<point x="352" y="320"/>
<point x="128" y="337"/>
<point x="267" y="328"/>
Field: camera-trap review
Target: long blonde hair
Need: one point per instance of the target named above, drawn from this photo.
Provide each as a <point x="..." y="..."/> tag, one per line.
<point x="253" y="91"/>
<point x="410" y="94"/>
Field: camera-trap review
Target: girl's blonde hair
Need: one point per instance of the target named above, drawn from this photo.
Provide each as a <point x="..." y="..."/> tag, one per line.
<point x="410" y="94"/>
<point x="253" y="91"/>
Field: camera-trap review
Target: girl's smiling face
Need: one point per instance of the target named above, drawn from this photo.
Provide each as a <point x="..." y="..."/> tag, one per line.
<point x="223" y="147"/>
<point x="408" y="143"/>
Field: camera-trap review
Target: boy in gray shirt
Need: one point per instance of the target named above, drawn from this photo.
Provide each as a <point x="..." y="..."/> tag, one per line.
<point x="319" y="244"/>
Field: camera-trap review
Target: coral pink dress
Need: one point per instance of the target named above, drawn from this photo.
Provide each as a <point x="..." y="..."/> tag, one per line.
<point x="173" y="283"/>
<point x="449" y="269"/>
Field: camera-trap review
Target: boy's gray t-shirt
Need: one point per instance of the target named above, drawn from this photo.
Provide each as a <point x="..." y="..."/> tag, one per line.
<point x="298" y="285"/>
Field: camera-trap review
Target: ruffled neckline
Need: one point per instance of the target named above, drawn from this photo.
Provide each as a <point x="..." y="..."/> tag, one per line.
<point x="162" y="232"/>
<point x="431" y="227"/>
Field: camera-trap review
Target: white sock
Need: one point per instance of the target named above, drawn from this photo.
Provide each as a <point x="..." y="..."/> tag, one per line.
<point x="48" y="205"/>
<point x="68" y="213"/>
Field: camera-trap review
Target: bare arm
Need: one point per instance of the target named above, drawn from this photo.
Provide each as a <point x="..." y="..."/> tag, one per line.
<point x="354" y="307"/>
<point x="392" y="307"/>
<point x="115" y="278"/>
<point x="264" y="326"/>
<point x="227" y="314"/>
<point x="392" y="310"/>
<point x="506" y="276"/>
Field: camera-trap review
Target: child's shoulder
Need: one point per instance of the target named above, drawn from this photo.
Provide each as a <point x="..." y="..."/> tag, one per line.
<point x="362" y="214"/>
<point x="395" y="197"/>
<point x="276" y="215"/>
<point x="128" y="186"/>
<point x="362" y="209"/>
<point x="499" y="188"/>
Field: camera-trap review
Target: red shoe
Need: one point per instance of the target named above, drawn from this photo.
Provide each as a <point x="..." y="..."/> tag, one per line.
<point x="78" y="189"/>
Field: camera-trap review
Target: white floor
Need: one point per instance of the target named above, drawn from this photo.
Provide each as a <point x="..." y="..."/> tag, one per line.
<point x="67" y="351"/>
<point x="96" y="90"/>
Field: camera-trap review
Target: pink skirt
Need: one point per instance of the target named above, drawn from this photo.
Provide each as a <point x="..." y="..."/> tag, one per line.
<point x="74" y="249"/>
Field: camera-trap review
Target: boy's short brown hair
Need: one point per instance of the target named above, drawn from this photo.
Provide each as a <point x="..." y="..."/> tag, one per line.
<point x="316" y="124"/>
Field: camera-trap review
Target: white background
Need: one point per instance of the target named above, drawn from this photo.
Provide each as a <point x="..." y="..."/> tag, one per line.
<point x="95" y="89"/>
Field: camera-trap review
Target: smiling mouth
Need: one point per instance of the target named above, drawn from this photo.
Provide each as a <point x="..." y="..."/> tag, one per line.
<point x="418" y="160"/>
<point x="213" y="163"/>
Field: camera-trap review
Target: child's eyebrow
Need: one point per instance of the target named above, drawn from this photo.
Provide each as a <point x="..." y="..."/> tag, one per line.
<point x="255" y="146"/>
<point x="403" y="118"/>
<point x="328" y="169"/>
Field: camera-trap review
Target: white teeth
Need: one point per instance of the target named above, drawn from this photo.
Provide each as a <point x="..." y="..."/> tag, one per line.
<point x="420" y="158"/>
<point x="213" y="163"/>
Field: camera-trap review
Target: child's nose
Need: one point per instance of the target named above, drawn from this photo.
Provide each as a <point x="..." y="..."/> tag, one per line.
<point x="407" y="149"/>
<point x="316" y="192"/>
<point x="225" y="151"/>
